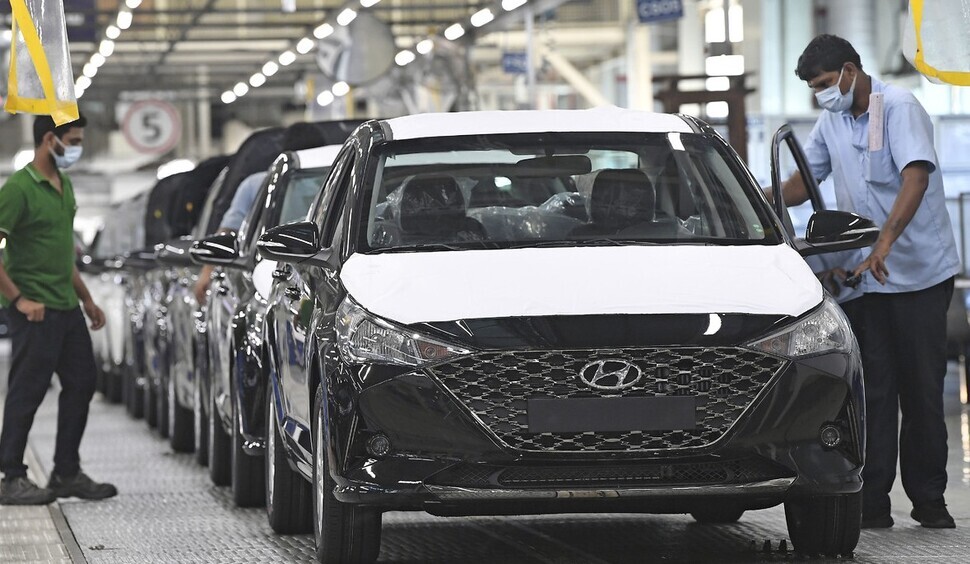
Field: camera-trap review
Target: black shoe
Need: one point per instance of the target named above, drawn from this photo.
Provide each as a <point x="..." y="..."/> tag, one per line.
<point x="933" y="515"/>
<point x="21" y="491"/>
<point x="80" y="486"/>
<point x="883" y="521"/>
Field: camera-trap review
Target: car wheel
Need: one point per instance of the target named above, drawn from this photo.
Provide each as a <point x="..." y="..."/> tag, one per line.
<point x="181" y="434"/>
<point x="827" y="525"/>
<point x="715" y="515"/>
<point x="289" y="508"/>
<point x="220" y="471"/>
<point x="200" y="424"/>
<point x="343" y="533"/>
<point x="248" y="481"/>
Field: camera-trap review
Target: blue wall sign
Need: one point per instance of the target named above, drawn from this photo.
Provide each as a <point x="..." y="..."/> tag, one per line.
<point x="515" y="62"/>
<point x="650" y="11"/>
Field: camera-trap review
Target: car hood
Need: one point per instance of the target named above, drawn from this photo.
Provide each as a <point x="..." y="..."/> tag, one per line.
<point x="423" y="287"/>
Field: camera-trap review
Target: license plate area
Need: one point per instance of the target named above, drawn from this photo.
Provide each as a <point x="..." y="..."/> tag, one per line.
<point x="576" y="415"/>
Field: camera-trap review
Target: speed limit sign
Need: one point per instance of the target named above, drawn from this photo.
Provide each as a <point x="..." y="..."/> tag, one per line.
<point x="152" y="126"/>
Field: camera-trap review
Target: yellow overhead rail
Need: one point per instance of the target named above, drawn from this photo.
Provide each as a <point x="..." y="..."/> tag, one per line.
<point x="40" y="80"/>
<point x="935" y="41"/>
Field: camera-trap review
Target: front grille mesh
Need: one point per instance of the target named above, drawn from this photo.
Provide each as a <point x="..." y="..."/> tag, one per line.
<point x="496" y="387"/>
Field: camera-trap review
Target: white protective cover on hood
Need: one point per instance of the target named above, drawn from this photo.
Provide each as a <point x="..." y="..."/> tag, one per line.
<point x="415" y="287"/>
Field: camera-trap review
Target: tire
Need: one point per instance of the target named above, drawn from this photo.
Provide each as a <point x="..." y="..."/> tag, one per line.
<point x="220" y="470"/>
<point x="181" y="432"/>
<point x="289" y="501"/>
<point x="343" y="534"/>
<point x="150" y="403"/>
<point x="248" y="478"/>
<point x="717" y="514"/>
<point x="827" y="525"/>
<point x="200" y="424"/>
<point x="161" y="399"/>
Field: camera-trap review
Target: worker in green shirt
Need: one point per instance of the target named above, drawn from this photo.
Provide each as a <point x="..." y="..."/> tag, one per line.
<point x="42" y="289"/>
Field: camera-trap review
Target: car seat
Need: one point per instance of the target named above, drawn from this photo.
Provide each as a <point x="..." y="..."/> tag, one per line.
<point x="616" y="200"/>
<point x="432" y="210"/>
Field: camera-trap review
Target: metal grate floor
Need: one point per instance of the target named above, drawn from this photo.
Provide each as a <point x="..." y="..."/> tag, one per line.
<point x="168" y="511"/>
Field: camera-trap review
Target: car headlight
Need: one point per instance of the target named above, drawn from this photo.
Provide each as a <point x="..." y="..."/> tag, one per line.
<point x="824" y="331"/>
<point x="362" y="337"/>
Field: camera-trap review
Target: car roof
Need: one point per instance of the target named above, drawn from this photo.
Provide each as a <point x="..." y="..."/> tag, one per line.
<point x="317" y="157"/>
<point x="601" y="119"/>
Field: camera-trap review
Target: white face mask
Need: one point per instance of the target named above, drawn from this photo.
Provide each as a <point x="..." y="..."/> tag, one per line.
<point x="71" y="155"/>
<point x="832" y="98"/>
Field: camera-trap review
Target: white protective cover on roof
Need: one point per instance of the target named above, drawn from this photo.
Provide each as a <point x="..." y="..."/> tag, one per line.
<point x="418" y="287"/>
<point x="604" y="118"/>
<point x="318" y="157"/>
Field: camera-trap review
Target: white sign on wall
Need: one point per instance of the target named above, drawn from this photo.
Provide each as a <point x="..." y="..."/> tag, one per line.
<point x="152" y="126"/>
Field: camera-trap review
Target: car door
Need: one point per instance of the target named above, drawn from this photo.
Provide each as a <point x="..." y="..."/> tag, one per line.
<point x="293" y="301"/>
<point x="787" y="153"/>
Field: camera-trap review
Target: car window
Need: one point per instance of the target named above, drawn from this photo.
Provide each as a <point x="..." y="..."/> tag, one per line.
<point x="563" y="188"/>
<point x="302" y="190"/>
<point x="334" y="212"/>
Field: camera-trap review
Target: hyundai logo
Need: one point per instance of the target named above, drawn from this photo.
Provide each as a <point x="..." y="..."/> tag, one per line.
<point x="610" y="374"/>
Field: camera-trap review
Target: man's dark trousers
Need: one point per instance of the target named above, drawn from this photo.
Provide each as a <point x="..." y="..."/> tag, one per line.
<point x="903" y="342"/>
<point x="60" y="343"/>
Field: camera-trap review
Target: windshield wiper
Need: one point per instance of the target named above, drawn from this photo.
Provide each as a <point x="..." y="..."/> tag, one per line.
<point x="422" y="247"/>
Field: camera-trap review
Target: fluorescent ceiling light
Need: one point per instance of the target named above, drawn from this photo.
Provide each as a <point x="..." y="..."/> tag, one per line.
<point x="304" y="46"/>
<point x="368" y="3"/>
<point x="174" y="167"/>
<point x="454" y="32"/>
<point x="106" y="48"/>
<point x="124" y="19"/>
<point x="132" y="4"/>
<point x="325" y="98"/>
<point x="97" y="59"/>
<point x="424" y="47"/>
<point x="482" y="17"/>
<point x="724" y="65"/>
<point x="323" y="30"/>
<point x="240" y="89"/>
<point x="340" y="89"/>
<point x="228" y="97"/>
<point x="270" y="68"/>
<point x="83" y="82"/>
<point x="287" y="58"/>
<point x="404" y="57"/>
<point x="112" y="32"/>
<point x="89" y="70"/>
<point x="257" y="80"/>
<point x="509" y="5"/>
<point x="717" y="83"/>
<point x="347" y="16"/>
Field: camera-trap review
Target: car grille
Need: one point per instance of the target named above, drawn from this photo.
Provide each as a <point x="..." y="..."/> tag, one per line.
<point x="496" y="387"/>
<point x="741" y="471"/>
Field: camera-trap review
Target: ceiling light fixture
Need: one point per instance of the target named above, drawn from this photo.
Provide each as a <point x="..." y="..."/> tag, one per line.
<point x="304" y="46"/>
<point x="89" y="70"/>
<point x="368" y="3"/>
<point x="112" y="32"/>
<point x="340" y="89"/>
<point x="287" y="58"/>
<point x="424" y="47"/>
<point x="132" y="4"/>
<point x="240" y="89"/>
<point x="323" y="30"/>
<point x="325" y="98"/>
<point x="257" y="80"/>
<point x="270" y="68"/>
<point x="124" y="19"/>
<point x="403" y="58"/>
<point x="228" y="97"/>
<point x="98" y="59"/>
<point x="509" y="5"/>
<point x="482" y="17"/>
<point x="106" y="48"/>
<point x="83" y="82"/>
<point x="454" y="32"/>
<point x="347" y="16"/>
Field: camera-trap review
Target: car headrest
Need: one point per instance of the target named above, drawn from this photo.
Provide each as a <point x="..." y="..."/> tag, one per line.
<point x="431" y="204"/>
<point x="618" y="198"/>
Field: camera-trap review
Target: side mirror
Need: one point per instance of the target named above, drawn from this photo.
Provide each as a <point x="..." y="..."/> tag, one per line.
<point x="216" y="249"/>
<point x="293" y="242"/>
<point x="175" y="252"/>
<point x="830" y="230"/>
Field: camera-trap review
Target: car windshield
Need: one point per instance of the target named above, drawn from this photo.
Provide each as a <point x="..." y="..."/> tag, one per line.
<point x="561" y="189"/>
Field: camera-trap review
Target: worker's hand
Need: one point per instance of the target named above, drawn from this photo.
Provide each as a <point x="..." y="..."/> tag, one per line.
<point x="33" y="311"/>
<point x="875" y="263"/>
<point x="200" y="288"/>
<point x="832" y="280"/>
<point x="94" y="313"/>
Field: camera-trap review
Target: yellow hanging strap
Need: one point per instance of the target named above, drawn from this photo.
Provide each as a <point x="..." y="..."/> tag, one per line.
<point x="950" y="77"/>
<point x="61" y="111"/>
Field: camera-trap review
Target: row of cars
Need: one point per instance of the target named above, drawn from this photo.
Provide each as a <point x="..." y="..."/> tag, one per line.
<point x="502" y="313"/>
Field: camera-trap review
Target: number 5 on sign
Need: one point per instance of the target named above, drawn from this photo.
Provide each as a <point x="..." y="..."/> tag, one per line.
<point x="152" y="126"/>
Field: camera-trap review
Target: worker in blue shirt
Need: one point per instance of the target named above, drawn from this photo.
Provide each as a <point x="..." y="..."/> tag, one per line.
<point x="876" y="141"/>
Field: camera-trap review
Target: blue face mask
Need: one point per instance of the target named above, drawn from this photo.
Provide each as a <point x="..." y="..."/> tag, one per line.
<point x="71" y="155"/>
<point x="832" y="98"/>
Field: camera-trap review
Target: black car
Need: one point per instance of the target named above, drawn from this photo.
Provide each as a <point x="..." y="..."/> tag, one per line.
<point x="235" y="312"/>
<point x="559" y="311"/>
